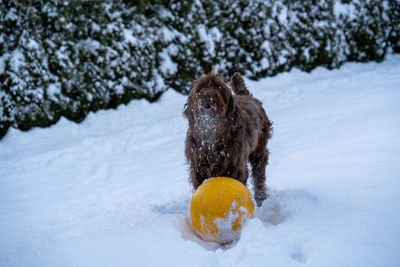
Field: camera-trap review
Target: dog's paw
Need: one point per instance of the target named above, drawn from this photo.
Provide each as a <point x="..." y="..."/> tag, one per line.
<point x="260" y="196"/>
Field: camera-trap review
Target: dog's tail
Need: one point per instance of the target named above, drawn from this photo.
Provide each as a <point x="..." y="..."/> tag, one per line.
<point x="237" y="84"/>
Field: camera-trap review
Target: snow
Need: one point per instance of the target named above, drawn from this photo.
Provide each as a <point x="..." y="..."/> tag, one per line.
<point x="168" y="66"/>
<point x="32" y="44"/>
<point x="340" y="8"/>
<point x="206" y="38"/>
<point x="238" y="215"/>
<point x="129" y="37"/>
<point x="113" y="190"/>
<point x="283" y="15"/>
<point x="168" y="34"/>
<point x="17" y="60"/>
<point x="53" y="90"/>
<point x="11" y="15"/>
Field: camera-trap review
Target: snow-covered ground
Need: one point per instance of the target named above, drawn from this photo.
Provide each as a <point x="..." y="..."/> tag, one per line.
<point x="113" y="190"/>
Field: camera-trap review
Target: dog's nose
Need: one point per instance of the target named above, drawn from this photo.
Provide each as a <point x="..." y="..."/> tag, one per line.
<point x="207" y="96"/>
<point x="207" y="101"/>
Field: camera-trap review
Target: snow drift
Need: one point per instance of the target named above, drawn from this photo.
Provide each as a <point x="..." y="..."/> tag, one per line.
<point x="113" y="190"/>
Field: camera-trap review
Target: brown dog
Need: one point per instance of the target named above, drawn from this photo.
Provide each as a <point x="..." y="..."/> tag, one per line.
<point x="226" y="132"/>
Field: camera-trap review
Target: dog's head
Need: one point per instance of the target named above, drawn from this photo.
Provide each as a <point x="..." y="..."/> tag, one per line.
<point x="211" y="97"/>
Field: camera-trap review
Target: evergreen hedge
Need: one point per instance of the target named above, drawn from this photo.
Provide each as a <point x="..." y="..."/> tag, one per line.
<point x="67" y="58"/>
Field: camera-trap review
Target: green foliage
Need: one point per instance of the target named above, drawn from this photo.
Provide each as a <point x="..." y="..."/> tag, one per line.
<point x="62" y="58"/>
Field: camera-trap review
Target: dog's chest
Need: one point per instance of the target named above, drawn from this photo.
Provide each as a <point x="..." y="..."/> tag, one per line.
<point x="211" y="152"/>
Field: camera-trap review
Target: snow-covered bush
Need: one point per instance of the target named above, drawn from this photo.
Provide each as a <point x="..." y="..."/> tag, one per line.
<point x="62" y="58"/>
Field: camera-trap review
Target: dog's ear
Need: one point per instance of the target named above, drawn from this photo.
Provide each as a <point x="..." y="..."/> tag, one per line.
<point x="186" y="108"/>
<point x="237" y="84"/>
<point x="230" y="110"/>
<point x="188" y="111"/>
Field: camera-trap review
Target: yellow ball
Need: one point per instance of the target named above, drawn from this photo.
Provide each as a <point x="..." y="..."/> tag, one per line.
<point x="219" y="208"/>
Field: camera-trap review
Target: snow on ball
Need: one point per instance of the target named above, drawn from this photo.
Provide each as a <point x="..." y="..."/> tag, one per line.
<point x="219" y="208"/>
